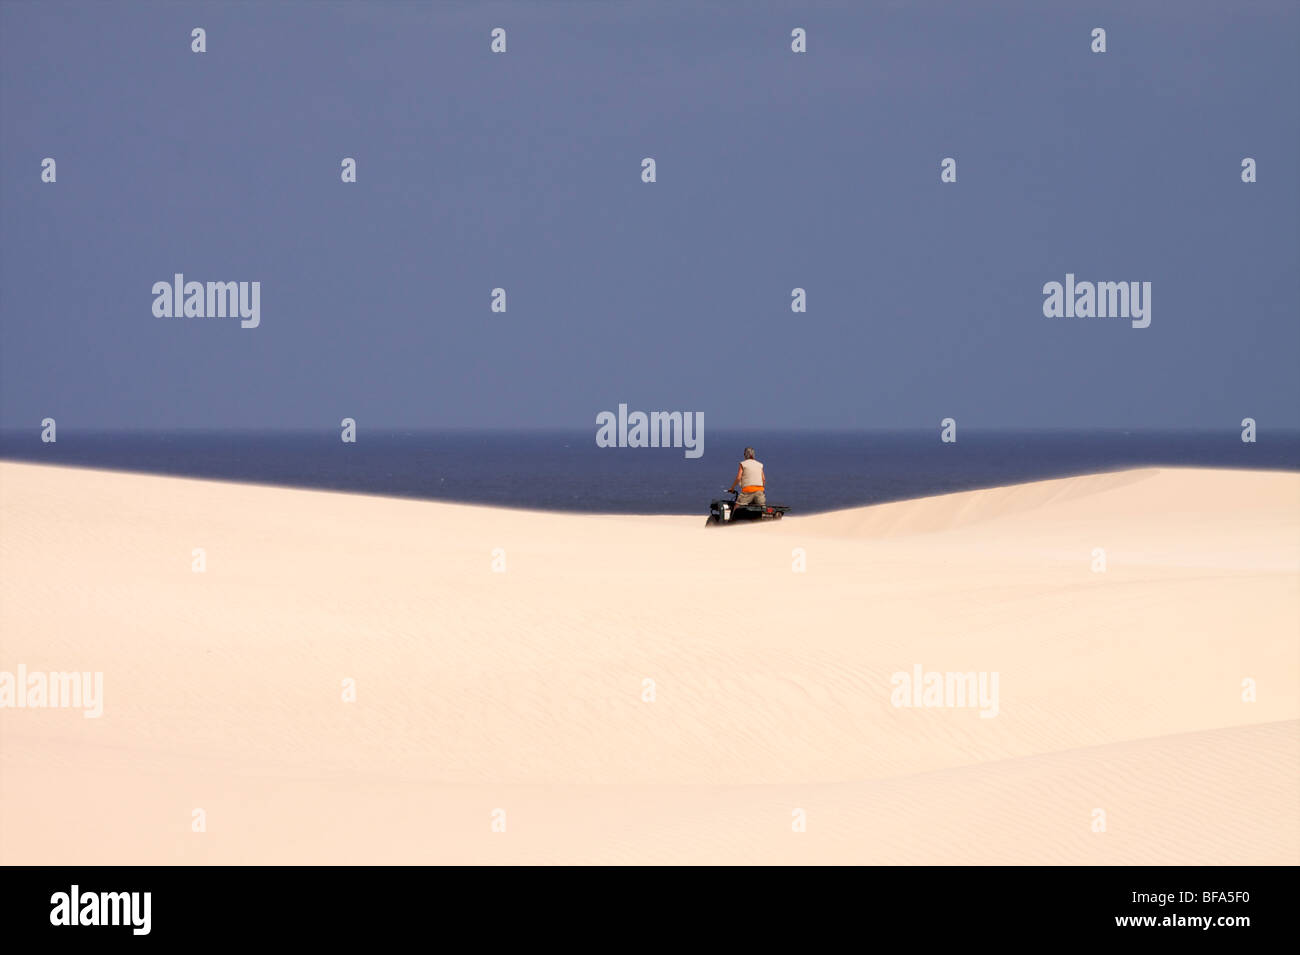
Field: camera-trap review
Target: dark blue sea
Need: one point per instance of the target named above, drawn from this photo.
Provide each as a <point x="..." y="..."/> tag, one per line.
<point x="566" y="471"/>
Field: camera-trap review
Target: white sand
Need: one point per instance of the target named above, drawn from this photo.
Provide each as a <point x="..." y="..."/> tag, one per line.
<point x="522" y="690"/>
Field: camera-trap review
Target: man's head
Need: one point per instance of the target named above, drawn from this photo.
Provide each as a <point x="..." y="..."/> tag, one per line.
<point x="749" y="454"/>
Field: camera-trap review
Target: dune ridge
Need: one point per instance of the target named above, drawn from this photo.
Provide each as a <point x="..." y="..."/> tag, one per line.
<point x="523" y="690"/>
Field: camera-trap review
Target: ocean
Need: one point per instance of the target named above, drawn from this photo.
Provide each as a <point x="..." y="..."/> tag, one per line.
<point x="809" y="471"/>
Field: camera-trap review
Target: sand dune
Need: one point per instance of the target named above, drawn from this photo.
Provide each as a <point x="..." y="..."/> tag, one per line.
<point x="522" y="690"/>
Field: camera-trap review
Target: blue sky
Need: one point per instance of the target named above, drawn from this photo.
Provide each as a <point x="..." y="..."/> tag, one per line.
<point x="775" y="170"/>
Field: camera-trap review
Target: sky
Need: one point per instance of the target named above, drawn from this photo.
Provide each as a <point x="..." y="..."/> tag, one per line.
<point x="775" y="170"/>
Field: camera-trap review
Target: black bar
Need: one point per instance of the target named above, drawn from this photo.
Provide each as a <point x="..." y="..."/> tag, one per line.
<point x="973" y="904"/>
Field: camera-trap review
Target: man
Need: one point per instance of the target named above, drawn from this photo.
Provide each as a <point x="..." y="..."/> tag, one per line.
<point x="751" y="479"/>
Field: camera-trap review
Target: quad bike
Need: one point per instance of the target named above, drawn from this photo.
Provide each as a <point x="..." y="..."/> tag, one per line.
<point x="723" y="512"/>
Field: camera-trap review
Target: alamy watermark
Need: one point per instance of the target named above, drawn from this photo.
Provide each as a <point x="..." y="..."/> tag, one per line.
<point x="182" y="299"/>
<point x="658" y="429"/>
<point x="76" y="907"/>
<point x="948" y="689"/>
<point x="1131" y="300"/>
<point x="39" y="690"/>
